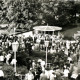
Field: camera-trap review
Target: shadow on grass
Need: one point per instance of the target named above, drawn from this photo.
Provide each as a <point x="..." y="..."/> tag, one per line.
<point x="41" y="55"/>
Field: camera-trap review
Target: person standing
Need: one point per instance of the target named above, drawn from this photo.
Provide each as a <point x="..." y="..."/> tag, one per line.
<point x="43" y="76"/>
<point x="29" y="76"/>
<point x="8" y="56"/>
<point x="52" y="76"/>
<point x="1" y="74"/>
<point x="74" y="72"/>
<point x="65" y="73"/>
<point x="1" y="59"/>
<point x="33" y="64"/>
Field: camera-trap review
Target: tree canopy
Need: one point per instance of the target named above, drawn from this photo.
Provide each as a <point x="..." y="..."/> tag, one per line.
<point x="28" y="13"/>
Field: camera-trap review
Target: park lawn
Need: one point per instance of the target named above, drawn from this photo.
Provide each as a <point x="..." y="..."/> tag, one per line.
<point x="70" y="32"/>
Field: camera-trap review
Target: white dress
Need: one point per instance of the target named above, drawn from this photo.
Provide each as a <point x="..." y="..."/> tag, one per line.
<point x="66" y="72"/>
<point x="1" y="73"/>
<point x="52" y="77"/>
<point x="29" y="76"/>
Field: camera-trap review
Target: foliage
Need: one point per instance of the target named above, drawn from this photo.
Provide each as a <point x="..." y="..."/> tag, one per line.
<point x="62" y="13"/>
<point x="28" y="13"/>
<point x="22" y="69"/>
<point x="59" y="58"/>
<point x="21" y="57"/>
<point x="8" y="70"/>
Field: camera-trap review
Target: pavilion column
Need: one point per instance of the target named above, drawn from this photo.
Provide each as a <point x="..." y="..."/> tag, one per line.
<point x="44" y="33"/>
<point x="53" y="33"/>
<point x="52" y="37"/>
<point x="58" y="33"/>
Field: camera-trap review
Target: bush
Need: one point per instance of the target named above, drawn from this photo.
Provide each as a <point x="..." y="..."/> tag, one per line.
<point x="21" y="58"/>
<point x="8" y="70"/>
<point x="22" y="70"/>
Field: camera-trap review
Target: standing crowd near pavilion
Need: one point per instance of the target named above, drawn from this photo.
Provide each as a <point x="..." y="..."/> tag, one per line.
<point x="65" y="67"/>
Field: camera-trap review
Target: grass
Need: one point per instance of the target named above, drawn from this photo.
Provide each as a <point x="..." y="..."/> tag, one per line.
<point x="70" y="32"/>
<point x="41" y="55"/>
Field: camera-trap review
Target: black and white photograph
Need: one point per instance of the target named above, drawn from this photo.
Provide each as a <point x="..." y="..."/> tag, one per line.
<point x="39" y="39"/>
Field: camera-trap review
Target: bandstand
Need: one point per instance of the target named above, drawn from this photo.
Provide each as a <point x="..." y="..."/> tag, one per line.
<point x="47" y="29"/>
<point x="48" y="32"/>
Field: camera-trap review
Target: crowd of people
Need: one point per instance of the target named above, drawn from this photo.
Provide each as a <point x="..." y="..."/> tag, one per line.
<point x="68" y="69"/>
<point x="41" y="72"/>
<point x="61" y="68"/>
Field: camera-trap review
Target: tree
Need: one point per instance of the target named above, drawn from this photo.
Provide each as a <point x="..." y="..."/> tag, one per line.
<point x="55" y="13"/>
